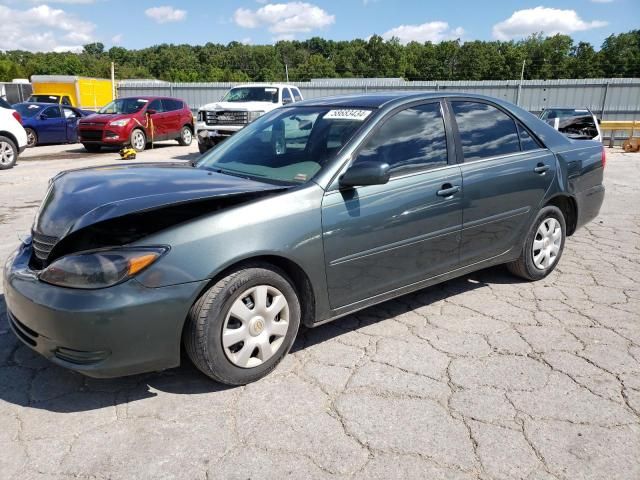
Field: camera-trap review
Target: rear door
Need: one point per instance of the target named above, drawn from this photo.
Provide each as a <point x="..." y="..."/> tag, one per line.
<point x="172" y="113"/>
<point x="505" y="173"/>
<point x="52" y="126"/>
<point x="381" y="237"/>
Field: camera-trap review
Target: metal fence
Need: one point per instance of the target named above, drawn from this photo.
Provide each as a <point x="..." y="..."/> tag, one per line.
<point x="609" y="98"/>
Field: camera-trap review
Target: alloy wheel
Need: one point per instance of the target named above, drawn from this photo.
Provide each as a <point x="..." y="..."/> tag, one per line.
<point x="7" y="154"/>
<point x="138" y="141"/>
<point x="186" y="136"/>
<point x="255" y="326"/>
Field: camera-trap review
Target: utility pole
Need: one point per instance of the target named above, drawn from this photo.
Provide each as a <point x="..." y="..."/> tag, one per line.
<point x="286" y="71"/>
<point x="113" y="80"/>
<point x="520" y="84"/>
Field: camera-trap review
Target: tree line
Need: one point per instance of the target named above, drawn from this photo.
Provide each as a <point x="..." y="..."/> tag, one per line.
<point x="552" y="57"/>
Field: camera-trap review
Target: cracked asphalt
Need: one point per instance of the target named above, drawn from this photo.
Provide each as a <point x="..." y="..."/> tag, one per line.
<point x="483" y="377"/>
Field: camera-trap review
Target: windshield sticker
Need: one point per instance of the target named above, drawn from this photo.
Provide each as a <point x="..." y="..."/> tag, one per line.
<point x="358" y="115"/>
<point x="271" y="90"/>
<point x="143" y="100"/>
<point x="300" y="177"/>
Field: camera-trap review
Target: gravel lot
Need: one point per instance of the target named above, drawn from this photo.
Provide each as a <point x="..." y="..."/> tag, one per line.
<point x="480" y="377"/>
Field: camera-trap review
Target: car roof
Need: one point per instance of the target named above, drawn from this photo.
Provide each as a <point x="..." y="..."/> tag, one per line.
<point x="382" y="99"/>
<point x="278" y="85"/>
<point x="41" y="104"/>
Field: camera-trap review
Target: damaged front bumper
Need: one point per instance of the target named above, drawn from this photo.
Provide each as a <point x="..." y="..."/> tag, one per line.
<point x="111" y="332"/>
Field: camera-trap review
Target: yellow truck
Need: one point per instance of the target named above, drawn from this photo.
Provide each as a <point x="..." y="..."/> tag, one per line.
<point x="81" y="92"/>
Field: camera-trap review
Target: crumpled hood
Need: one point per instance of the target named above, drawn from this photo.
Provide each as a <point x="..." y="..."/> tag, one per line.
<point x="79" y="198"/>
<point x="242" y="106"/>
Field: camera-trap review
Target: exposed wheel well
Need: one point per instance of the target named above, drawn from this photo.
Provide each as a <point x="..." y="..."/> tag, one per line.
<point x="569" y="209"/>
<point x="10" y="137"/>
<point x="298" y="277"/>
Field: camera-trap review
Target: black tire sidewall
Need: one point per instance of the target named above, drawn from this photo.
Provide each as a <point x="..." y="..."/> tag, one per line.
<point x="545" y="213"/>
<point x="215" y="357"/>
<point x="15" y="153"/>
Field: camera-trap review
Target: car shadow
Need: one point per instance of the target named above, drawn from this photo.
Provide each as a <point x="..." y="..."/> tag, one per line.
<point x="28" y="380"/>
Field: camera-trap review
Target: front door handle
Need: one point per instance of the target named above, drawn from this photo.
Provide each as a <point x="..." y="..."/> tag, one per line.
<point x="448" y="190"/>
<point x="541" y="168"/>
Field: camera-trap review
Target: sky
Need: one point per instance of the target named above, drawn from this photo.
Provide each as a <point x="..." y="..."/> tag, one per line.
<point x="63" y="25"/>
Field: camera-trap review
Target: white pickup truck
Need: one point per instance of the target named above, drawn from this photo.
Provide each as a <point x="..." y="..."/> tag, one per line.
<point x="240" y="106"/>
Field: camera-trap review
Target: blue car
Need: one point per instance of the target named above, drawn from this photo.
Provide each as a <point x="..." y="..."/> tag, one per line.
<point x="49" y="123"/>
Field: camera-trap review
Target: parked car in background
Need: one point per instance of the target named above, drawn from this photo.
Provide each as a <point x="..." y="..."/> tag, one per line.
<point x="576" y="123"/>
<point x="13" y="138"/>
<point x="49" y="123"/>
<point x="310" y="213"/>
<point x="240" y="106"/>
<point x="137" y="121"/>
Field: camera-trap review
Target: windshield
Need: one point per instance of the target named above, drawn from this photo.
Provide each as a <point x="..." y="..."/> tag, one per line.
<point x="28" y="110"/>
<point x="45" y="98"/>
<point x="286" y="146"/>
<point x="252" y="94"/>
<point x="124" y="106"/>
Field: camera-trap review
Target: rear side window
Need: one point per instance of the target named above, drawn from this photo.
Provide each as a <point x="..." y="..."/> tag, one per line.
<point x="413" y="139"/>
<point x="171" y="105"/>
<point x="66" y="101"/>
<point x="286" y="96"/>
<point x="527" y="142"/>
<point x="52" y="112"/>
<point x="296" y="94"/>
<point x="485" y="131"/>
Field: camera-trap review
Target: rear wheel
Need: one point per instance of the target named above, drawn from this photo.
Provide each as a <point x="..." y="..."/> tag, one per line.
<point x="90" y="147"/>
<point x="243" y="326"/>
<point x="32" y="137"/>
<point x="543" y="246"/>
<point x="186" y="136"/>
<point x="138" y="140"/>
<point x="8" y="153"/>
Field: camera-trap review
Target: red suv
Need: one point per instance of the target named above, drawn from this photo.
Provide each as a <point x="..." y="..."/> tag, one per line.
<point x="137" y="121"/>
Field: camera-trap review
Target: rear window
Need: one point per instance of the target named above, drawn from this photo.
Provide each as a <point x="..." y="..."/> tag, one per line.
<point x="28" y="110"/>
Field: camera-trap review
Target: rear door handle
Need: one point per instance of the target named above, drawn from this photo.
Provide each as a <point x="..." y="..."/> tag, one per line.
<point x="448" y="190"/>
<point x="541" y="168"/>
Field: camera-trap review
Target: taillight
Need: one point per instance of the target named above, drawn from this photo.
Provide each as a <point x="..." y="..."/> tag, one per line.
<point x="603" y="157"/>
<point x="17" y="116"/>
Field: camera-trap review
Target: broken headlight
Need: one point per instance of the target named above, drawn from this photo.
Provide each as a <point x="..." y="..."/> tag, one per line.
<point x="100" y="269"/>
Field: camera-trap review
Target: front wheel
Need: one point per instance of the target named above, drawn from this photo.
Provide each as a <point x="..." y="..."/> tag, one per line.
<point x="32" y="137"/>
<point x="186" y="136"/>
<point x="543" y="246"/>
<point x="242" y="327"/>
<point x="138" y="140"/>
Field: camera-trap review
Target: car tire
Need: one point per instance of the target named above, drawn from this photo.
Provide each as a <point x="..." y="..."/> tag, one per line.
<point x="32" y="137"/>
<point x="8" y="153"/>
<point x="138" y="140"/>
<point x="203" y="148"/>
<point x="543" y="246"/>
<point x="186" y="136"/>
<point x="243" y="326"/>
<point x="89" y="147"/>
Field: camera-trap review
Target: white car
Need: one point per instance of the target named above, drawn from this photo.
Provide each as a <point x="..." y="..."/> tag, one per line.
<point x="576" y="123"/>
<point x="13" y="138"/>
<point x="240" y="106"/>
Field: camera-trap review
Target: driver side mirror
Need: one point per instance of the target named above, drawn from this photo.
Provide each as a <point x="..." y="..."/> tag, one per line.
<point x="286" y="101"/>
<point x="151" y="111"/>
<point x="365" y="173"/>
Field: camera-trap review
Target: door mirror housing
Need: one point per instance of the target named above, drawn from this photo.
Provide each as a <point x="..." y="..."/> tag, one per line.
<point x="365" y="173"/>
<point x="286" y="101"/>
<point x="151" y="111"/>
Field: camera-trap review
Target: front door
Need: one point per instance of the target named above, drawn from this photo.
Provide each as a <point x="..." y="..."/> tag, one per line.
<point x="71" y="117"/>
<point x="53" y="127"/>
<point x="381" y="237"/>
<point x="505" y="173"/>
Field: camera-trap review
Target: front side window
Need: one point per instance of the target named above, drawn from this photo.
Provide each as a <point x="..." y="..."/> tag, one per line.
<point x="252" y="94"/>
<point x="286" y="96"/>
<point x="69" y="113"/>
<point x="66" y="101"/>
<point x="413" y="139"/>
<point x="484" y="130"/>
<point x="52" y="112"/>
<point x="296" y="95"/>
<point x="156" y="106"/>
<point x="287" y="145"/>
